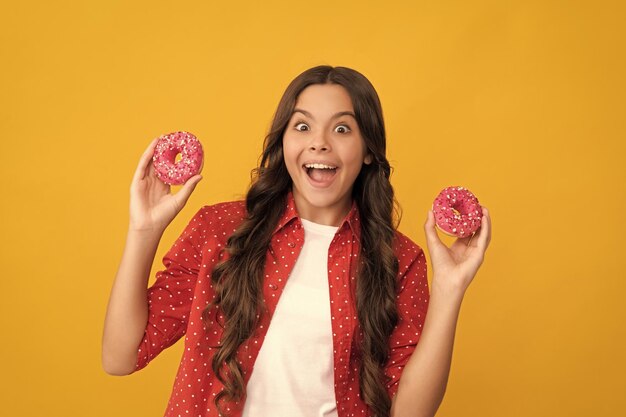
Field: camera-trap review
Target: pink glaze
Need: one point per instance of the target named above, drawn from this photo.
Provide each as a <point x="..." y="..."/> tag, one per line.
<point x="457" y="212"/>
<point x="190" y="163"/>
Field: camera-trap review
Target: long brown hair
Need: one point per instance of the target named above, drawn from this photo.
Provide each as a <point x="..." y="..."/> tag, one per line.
<point x="238" y="280"/>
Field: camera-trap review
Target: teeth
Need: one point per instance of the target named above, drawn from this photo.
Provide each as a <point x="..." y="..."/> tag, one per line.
<point x="319" y="166"/>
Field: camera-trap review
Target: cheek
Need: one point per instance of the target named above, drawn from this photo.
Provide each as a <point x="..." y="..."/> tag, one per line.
<point x="290" y="154"/>
<point x="353" y="155"/>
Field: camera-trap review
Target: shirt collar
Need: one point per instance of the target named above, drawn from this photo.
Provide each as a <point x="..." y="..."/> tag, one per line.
<point x="352" y="219"/>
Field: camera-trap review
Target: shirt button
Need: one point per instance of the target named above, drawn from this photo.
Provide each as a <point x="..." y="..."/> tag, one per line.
<point x="291" y="244"/>
<point x="273" y="287"/>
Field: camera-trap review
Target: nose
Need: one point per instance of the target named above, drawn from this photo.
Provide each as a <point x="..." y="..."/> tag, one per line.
<point x="319" y="143"/>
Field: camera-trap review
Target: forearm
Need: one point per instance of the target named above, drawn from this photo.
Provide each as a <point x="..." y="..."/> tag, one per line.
<point x="127" y="312"/>
<point x="425" y="376"/>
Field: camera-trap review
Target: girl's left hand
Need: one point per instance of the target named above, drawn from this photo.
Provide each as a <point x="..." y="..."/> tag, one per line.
<point x="454" y="267"/>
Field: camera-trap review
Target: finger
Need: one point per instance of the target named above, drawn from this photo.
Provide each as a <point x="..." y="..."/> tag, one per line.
<point x="151" y="171"/>
<point x="485" y="230"/>
<point x="161" y="186"/>
<point x="144" y="161"/>
<point x="183" y="194"/>
<point x="432" y="238"/>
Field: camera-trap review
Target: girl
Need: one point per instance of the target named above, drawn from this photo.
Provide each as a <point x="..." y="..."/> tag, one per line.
<point x="304" y="299"/>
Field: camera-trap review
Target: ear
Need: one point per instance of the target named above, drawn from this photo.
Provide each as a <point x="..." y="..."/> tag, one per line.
<point x="368" y="159"/>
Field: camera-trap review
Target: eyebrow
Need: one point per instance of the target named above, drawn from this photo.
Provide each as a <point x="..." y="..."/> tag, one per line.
<point x="341" y="113"/>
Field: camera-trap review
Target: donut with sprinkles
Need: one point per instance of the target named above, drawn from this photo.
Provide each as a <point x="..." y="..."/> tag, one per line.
<point x="457" y="212"/>
<point x="168" y="146"/>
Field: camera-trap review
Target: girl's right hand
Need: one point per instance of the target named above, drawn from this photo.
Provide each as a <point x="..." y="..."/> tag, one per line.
<point x="152" y="206"/>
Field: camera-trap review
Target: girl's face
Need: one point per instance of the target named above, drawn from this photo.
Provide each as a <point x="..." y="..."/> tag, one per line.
<point x="324" y="151"/>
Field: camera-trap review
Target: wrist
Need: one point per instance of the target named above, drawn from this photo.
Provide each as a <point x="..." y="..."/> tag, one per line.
<point x="444" y="289"/>
<point x="145" y="233"/>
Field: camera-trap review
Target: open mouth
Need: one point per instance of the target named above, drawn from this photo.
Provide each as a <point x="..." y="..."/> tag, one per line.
<point x="321" y="173"/>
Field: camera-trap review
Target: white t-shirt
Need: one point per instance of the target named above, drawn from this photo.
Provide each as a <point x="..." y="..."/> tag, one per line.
<point x="293" y="373"/>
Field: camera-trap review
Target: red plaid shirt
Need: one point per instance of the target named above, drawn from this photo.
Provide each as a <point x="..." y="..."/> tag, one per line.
<point x="183" y="289"/>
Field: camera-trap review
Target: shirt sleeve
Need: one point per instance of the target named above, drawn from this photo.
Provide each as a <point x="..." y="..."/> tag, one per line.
<point x="171" y="295"/>
<point x="412" y="301"/>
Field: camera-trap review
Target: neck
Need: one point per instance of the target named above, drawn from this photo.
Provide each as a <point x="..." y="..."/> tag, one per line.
<point x="331" y="215"/>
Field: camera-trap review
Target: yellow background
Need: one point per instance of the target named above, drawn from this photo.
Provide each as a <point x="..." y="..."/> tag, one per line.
<point x="521" y="102"/>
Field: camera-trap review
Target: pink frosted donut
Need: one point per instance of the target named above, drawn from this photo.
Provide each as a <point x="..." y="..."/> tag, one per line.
<point x="457" y="212"/>
<point x="168" y="146"/>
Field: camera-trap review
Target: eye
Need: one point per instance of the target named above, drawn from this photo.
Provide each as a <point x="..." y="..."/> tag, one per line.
<point x="345" y="128"/>
<point x="301" y="123"/>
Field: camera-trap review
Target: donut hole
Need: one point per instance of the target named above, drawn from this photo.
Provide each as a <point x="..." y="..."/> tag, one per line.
<point x="178" y="157"/>
<point x="455" y="211"/>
